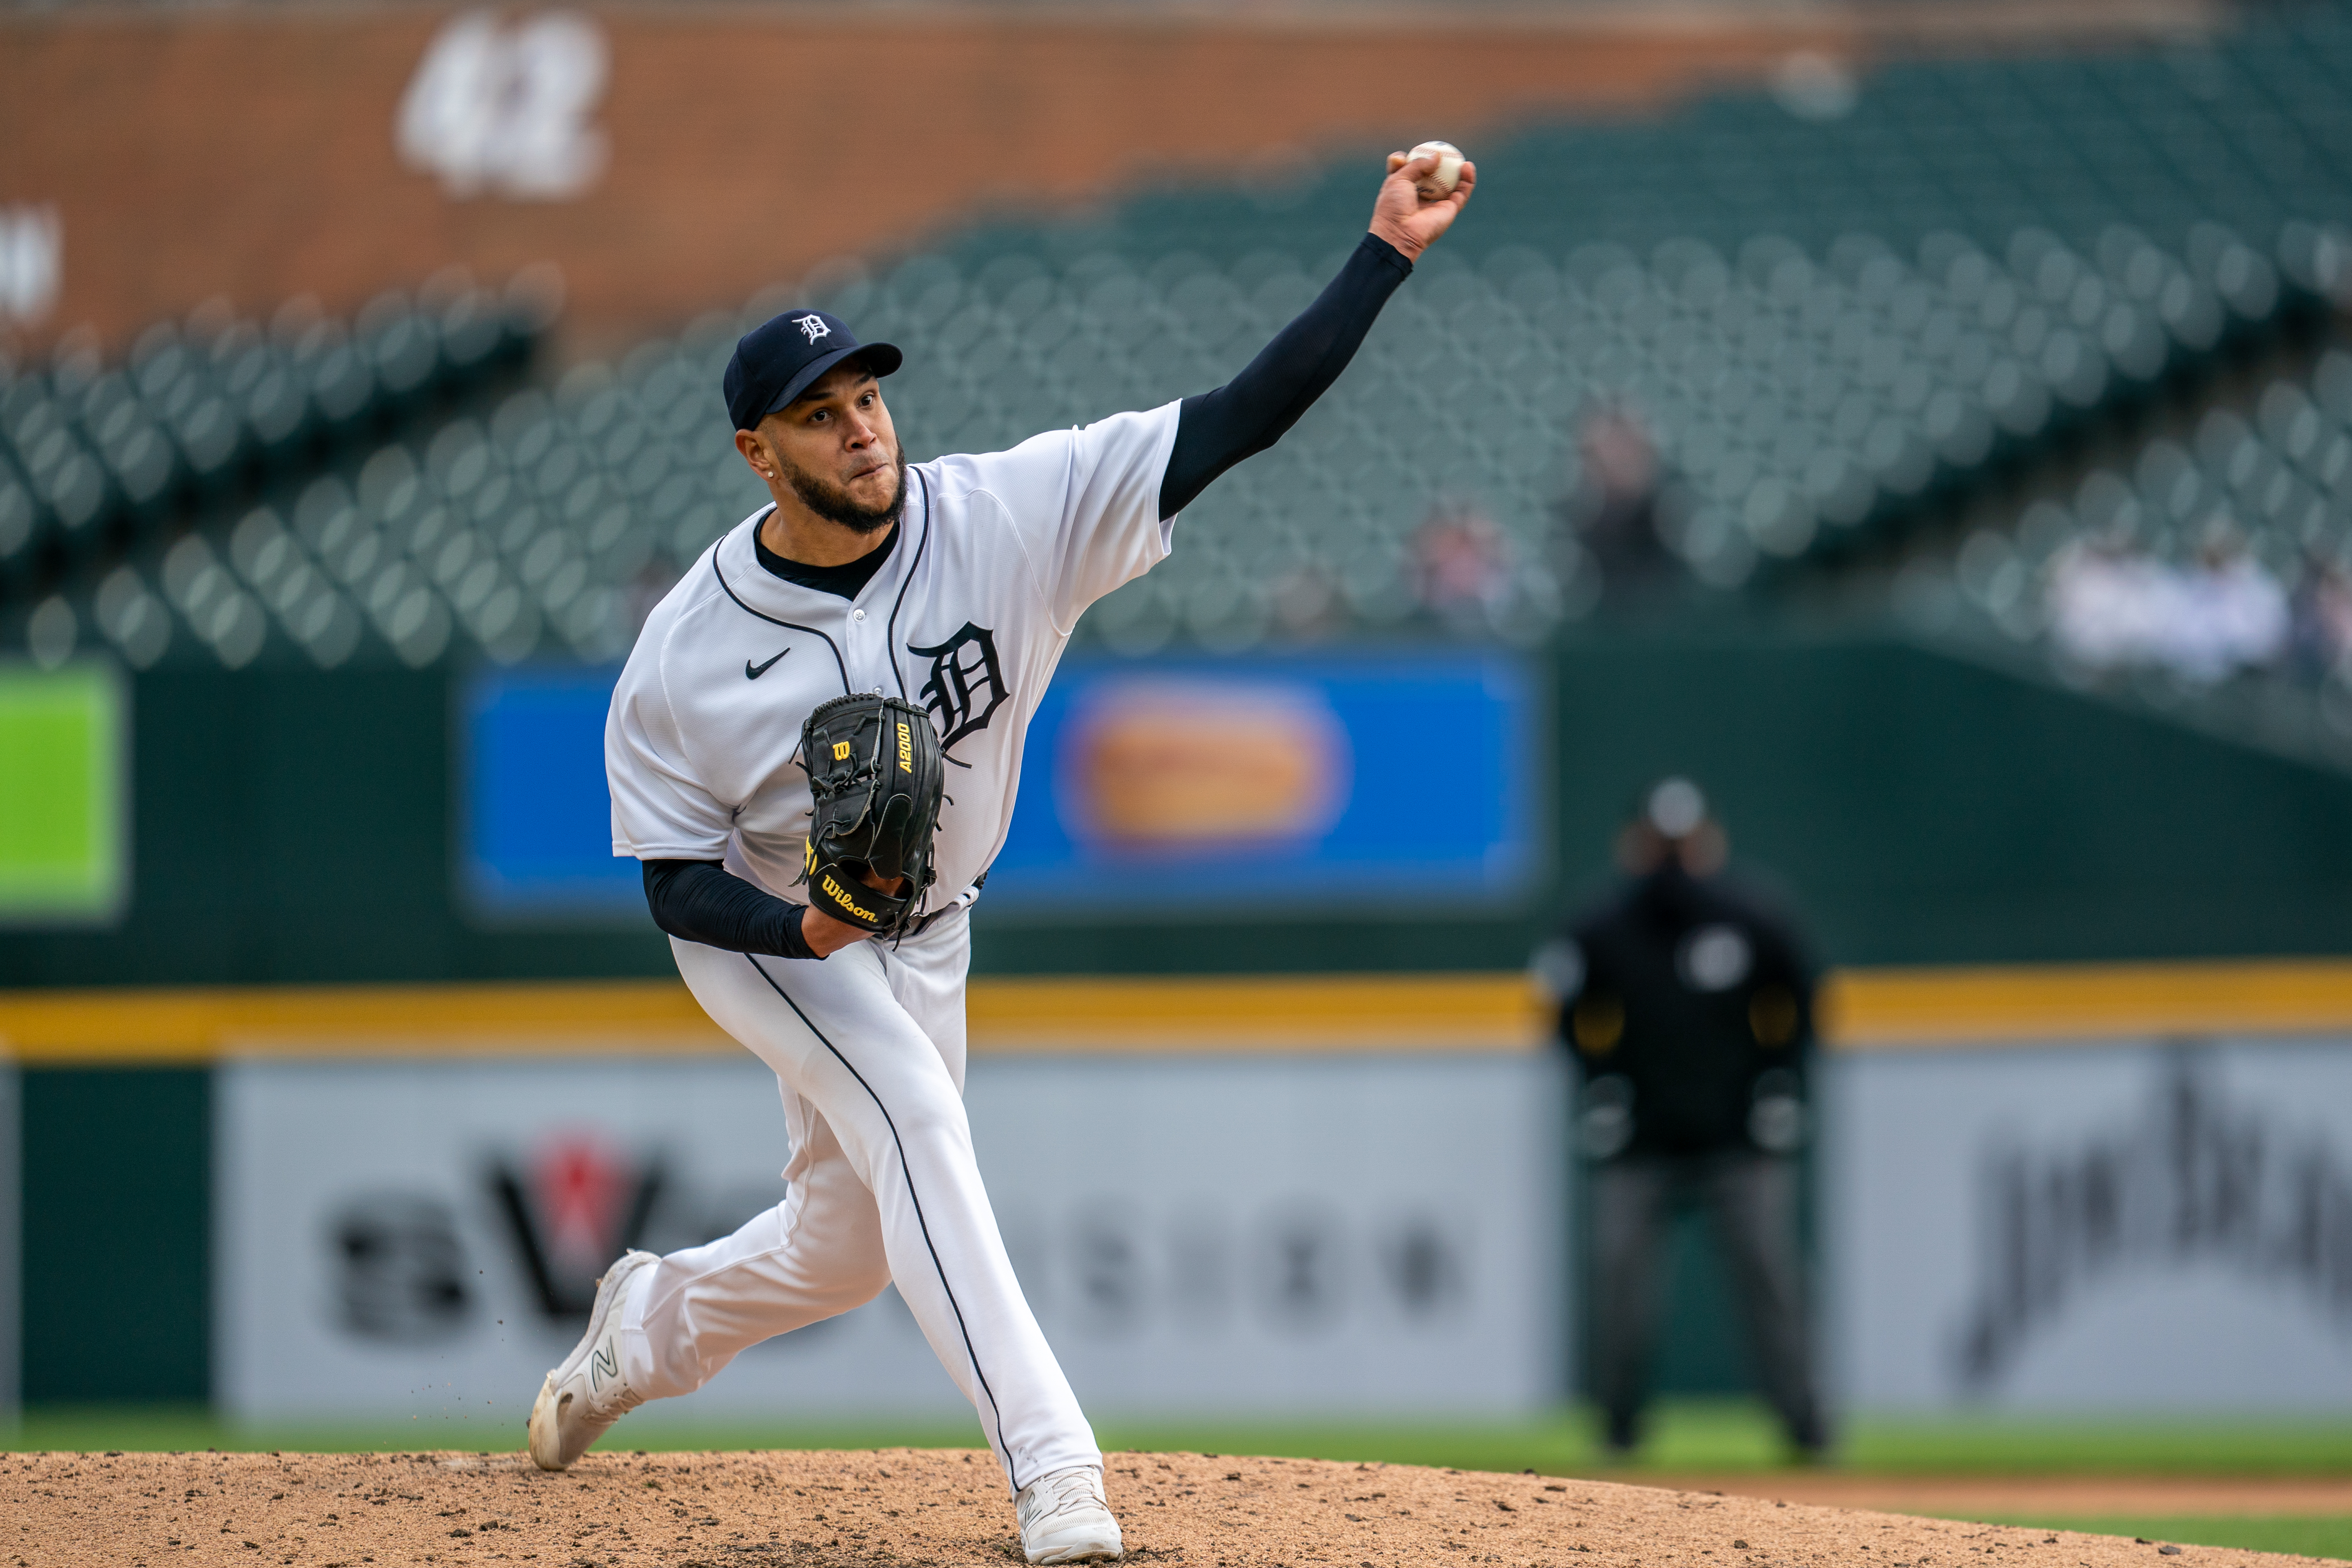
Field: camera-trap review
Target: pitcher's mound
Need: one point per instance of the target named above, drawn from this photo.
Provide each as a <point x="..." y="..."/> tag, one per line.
<point x="947" y="1509"/>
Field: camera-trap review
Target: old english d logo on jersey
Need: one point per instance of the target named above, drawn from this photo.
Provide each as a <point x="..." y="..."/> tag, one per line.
<point x="967" y="685"/>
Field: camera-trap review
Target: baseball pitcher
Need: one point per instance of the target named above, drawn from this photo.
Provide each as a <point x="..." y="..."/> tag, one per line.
<point x="776" y="750"/>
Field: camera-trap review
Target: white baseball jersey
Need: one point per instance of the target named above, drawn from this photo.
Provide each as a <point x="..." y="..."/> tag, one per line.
<point x="968" y="617"/>
<point x="995" y="557"/>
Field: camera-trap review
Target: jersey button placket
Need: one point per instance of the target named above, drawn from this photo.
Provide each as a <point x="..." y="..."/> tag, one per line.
<point x="860" y="658"/>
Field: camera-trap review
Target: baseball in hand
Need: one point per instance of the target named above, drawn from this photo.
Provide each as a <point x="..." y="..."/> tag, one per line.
<point x="1439" y="183"/>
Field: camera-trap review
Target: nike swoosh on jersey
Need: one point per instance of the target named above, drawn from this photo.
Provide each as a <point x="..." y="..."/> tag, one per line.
<point x="753" y="671"/>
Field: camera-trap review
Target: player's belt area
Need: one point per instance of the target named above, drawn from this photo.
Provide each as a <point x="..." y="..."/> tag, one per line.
<point x="923" y="924"/>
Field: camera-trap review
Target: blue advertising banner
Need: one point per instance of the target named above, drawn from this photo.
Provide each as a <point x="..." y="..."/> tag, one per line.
<point x="1275" y="781"/>
<point x="537" y="825"/>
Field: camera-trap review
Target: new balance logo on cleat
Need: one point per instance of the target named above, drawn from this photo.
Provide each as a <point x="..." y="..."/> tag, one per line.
<point x="581" y="1399"/>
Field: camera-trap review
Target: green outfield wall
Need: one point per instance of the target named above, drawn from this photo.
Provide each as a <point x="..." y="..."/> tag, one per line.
<point x="291" y="825"/>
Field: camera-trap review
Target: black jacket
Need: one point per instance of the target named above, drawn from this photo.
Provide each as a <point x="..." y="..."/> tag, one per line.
<point x="1689" y="1004"/>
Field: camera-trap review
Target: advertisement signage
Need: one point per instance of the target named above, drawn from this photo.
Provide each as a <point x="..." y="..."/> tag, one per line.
<point x="12" y="1231"/>
<point x="64" y="780"/>
<point x="1276" y="781"/>
<point x="2092" y="1228"/>
<point x="1298" y="782"/>
<point x="420" y="1238"/>
<point x="538" y="824"/>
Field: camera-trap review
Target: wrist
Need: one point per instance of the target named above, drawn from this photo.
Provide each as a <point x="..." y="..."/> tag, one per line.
<point x="820" y="933"/>
<point x="1394" y="236"/>
<point x="791" y="941"/>
<point x="825" y="935"/>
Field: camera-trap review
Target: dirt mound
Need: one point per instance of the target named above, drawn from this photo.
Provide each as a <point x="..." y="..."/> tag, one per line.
<point x="907" y="1507"/>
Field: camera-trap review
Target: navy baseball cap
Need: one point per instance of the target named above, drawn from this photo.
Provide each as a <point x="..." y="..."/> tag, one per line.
<point x="778" y="360"/>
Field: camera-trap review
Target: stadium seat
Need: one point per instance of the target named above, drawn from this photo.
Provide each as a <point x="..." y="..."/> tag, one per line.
<point x="1832" y="315"/>
<point x="198" y="407"/>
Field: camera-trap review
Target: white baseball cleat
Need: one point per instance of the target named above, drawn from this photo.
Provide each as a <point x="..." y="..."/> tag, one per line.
<point x="1064" y="1517"/>
<point x="581" y="1399"/>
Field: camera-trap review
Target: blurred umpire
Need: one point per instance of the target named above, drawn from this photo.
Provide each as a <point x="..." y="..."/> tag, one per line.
<point x="1688" y="1006"/>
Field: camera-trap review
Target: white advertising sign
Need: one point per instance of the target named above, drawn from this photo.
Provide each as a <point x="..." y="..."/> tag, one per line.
<point x="1377" y="1233"/>
<point x="2102" y="1227"/>
<point x="11" y="1250"/>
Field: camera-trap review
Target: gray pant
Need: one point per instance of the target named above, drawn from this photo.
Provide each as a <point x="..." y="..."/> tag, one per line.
<point x="1751" y="1200"/>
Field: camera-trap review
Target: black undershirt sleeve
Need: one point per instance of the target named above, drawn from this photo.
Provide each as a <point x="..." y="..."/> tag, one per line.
<point x="1248" y="414"/>
<point x="701" y="901"/>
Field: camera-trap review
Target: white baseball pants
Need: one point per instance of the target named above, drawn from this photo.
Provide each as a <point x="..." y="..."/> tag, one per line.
<point x="869" y="1046"/>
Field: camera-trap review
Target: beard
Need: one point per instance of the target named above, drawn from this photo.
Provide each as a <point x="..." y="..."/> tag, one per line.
<point x="833" y="503"/>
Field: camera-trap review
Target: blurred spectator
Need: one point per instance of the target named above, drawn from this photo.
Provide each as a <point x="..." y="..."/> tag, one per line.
<point x="2232" y="615"/>
<point x="2105" y="603"/>
<point x="1688" y="1006"/>
<point x="2319" y="619"/>
<point x="2112" y="607"/>
<point x="1461" y="564"/>
<point x="1614" y="511"/>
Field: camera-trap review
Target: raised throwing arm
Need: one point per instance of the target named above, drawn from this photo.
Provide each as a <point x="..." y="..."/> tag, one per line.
<point x="1250" y="413"/>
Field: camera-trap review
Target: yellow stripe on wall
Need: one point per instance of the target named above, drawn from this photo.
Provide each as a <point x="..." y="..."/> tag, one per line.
<point x="1326" y="1013"/>
<point x="1252" y="1012"/>
<point x="1878" y="1008"/>
<point x="1875" y="1009"/>
<point x="199" y="1024"/>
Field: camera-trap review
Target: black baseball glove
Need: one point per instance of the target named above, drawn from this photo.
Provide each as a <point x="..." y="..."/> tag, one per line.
<point x="876" y="771"/>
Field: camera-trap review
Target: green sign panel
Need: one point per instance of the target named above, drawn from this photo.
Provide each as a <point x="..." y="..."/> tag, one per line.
<point x="63" y="779"/>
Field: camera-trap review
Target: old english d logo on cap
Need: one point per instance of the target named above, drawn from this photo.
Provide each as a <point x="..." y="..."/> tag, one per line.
<point x="781" y="357"/>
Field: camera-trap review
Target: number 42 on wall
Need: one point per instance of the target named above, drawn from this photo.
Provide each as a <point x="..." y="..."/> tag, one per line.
<point x="505" y="108"/>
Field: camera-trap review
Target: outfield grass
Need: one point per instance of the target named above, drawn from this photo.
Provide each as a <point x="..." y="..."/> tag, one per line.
<point x="1688" y="1436"/>
<point x="2148" y="1446"/>
<point x="2305" y="1535"/>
